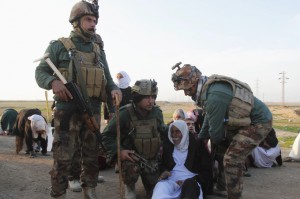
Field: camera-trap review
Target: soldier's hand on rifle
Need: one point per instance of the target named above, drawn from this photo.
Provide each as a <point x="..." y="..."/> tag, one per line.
<point x="116" y="96"/>
<point x="125" y="155"/>
<point x="61" y="90"/>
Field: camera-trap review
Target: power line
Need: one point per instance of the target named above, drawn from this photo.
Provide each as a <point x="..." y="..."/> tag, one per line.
<point x="283" y="78"/>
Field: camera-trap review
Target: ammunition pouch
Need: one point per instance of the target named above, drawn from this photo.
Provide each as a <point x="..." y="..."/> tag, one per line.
<point x="146" y="138"/>
<point x="92" y="70"/>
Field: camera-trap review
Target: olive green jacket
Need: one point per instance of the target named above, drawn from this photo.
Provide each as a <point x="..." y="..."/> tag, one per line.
<point x="109" y="138"/>
<point x="60" y="58"/>
<point x="216" y="101"/>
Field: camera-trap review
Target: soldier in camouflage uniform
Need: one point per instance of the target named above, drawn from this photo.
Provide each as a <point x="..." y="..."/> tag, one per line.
<point x="88" y="68"/>
<point x="142" y="130"/>
<point x="232" y="114"/>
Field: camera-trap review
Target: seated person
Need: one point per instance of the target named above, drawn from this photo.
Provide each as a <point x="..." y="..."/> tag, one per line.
<point x="178" y="114"/>
<point x="295" y="152"/>
<point x="198" y="116"/>
<point x="185" y="165"/>
<point x="191" y="126"/>
<point x="8" y="119"/>
<point x="267" y="154"/>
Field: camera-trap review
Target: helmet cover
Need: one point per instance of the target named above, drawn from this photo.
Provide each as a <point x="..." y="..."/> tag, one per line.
<point x="185" y="77"/>
<point x="83" y="8"/>
<point x="145" y="87"/>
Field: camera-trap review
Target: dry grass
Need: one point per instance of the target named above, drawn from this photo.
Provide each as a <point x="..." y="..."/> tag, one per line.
<point x="284" y="116"/>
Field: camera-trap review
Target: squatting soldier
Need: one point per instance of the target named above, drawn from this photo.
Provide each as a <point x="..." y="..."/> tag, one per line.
<point x="80" y="60"/>
<point x="232" y="114"/>
<point x="142" y="129"/>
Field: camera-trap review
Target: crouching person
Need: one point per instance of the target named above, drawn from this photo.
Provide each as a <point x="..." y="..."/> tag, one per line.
<point x="31" y="127"/>
<point x="39" y="129"/>
<point x="186" y="165"/>
<point x="141" y="130"/>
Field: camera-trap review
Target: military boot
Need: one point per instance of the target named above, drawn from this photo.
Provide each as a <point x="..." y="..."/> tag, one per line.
<point x="130" y="191"/>
<point x="89" y="193"/>
<point x="61" y="197"/>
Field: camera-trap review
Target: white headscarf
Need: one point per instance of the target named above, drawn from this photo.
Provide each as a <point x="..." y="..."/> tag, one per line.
<point x="123" y="82"/>
<point x="184" y="143"/>
<point x="38" y="123"/>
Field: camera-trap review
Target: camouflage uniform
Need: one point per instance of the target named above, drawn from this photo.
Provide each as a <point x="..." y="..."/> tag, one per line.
<point x="71" y="134"/>
<point x="216" y="99"/>
<point x="131" y="171"/>
<point x="130" y="139"/>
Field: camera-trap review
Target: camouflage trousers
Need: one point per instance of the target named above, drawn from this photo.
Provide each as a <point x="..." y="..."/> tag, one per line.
<point x="75" y="152"/>
<point x="234" y="159"/>
<point x="131" y="172"/>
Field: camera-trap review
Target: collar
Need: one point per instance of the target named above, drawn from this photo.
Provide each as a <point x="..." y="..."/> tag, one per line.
<point x="197" y="97"/>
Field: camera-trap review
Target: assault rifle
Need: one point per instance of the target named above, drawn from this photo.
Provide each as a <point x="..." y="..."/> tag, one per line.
<point x="143" y="162"/>
<point x="82" y="105"/>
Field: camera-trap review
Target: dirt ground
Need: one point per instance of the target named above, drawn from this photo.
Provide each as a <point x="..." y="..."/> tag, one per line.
<point x="22" y="177"/>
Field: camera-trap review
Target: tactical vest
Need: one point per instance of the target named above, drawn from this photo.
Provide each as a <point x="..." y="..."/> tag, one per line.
<point x="242" y="103"/>
<point x="92" y="71"/>
<point x="146" y="137"/>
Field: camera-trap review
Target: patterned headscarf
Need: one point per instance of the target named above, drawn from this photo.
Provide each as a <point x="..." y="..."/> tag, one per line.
<point x="184" y="143"/>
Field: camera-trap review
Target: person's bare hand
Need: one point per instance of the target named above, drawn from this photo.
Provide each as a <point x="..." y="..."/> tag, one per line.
<point x="116" y="94"/>
<point x="164" y="175"/>
<point x="179" y="182"/>
<point x="125" y="155"/>
<point x="61" y="90"/>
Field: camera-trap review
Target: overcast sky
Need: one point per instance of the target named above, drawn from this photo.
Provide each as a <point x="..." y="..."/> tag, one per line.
<point x="253" y="41"/>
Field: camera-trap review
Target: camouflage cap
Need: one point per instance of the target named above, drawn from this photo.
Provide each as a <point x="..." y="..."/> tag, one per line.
<point x="185" y="77"/>
<point x="83" y="8"/>
<point x="145" y="87"/>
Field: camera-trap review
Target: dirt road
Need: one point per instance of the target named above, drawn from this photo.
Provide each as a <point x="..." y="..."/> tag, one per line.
<point x="27" y="178"/>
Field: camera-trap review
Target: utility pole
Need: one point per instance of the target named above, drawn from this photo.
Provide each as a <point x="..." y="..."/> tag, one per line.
<point x="257" y="88"/>
<point x="283" y="78"/>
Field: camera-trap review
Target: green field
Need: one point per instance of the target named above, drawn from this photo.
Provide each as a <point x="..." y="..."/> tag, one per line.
<point x="284" y="117"/>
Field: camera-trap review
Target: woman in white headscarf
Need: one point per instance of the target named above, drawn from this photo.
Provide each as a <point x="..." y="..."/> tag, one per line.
<point x="185" y="165"/>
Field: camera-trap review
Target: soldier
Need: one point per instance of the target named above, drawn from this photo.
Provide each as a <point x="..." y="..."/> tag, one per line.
<point x="80" y="60"/>
<point x="142" y="130"/>
<point x="232" y="114"/>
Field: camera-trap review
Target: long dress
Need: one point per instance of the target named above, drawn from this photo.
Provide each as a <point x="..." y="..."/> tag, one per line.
<point x="168" y="188"/>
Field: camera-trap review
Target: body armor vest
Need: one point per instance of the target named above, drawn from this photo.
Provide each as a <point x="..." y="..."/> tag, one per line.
<point x="242" y="103"/>
<point x="91" y="68"/>
<point x="146" y="138"/>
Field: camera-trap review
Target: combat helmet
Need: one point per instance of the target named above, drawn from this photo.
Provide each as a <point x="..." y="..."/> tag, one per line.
<point x="145" y="87"/>
<point x="84" y="8"/>
<point x="185" y="77"/>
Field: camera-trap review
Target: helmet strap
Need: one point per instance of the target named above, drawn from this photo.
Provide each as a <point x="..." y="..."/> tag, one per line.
<point x="87" y="36"/>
